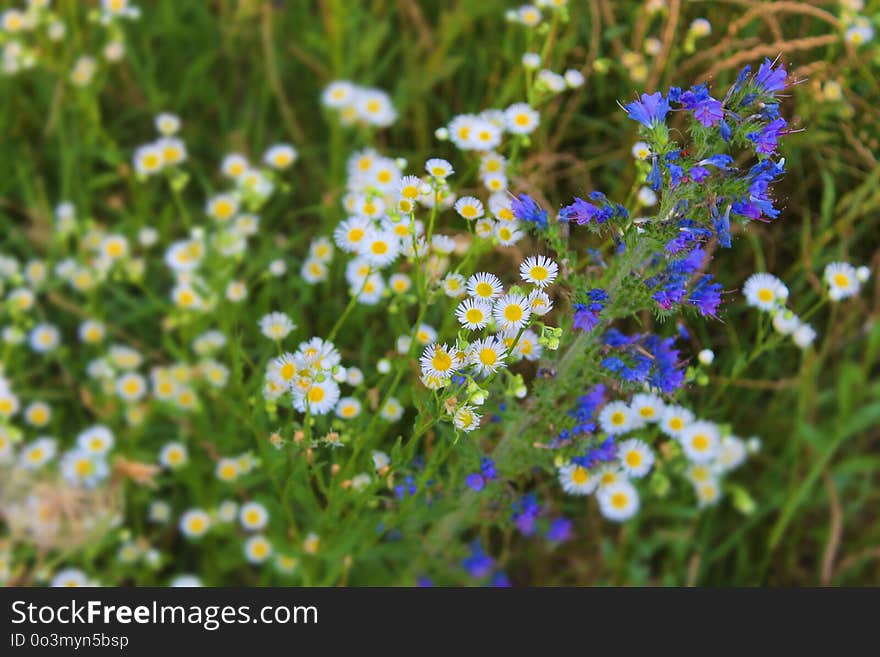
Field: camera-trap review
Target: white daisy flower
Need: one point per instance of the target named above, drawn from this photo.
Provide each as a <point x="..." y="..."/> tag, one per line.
<point x="173" y="150"/>
<point x="577" y="480"/>
<point x="438" y="360"/>
<point x="148" y="159"/>
<point x="674" y="419"/>
<point x="538" y="270"/>
<point x="280" y="156"/>
<point x="474" y="313"/>
<point x="222" y="207"/>
<point x="351" y="233"/>
<point x="69" y="578"/>
<point x="539" y="302"/>
<point x="253" y="516"/>
<point x="195" y="523"/>
<point x="379" y="248"/>
<point x="96" y="440"/>
<point x="439" y="168"/>
<point x="44" y="338"/>
<point x="487" y="355"/>
<point x="36" y="454"/>
<point x="453" y="285"/>
<point x="348" y="408"/>
<point x="484" y="286"/>
<point x="469" y="207"/>
<point x="173" y="455"/>
<point x="392" y="411"/>
<point x="731" y="455"/>
<point x="521" y="119"/>
<point x="257" y="549"/>
<point x="701" y="441"/>
<point x="131" y="386"/>
<point x="803" y="336"/>
<point x="842" y="280"/>
<point x="319" y="398"/>
<point x="508" y="232"/>
<point x="400" y="283"/>
<point x="635" y="457"/>
<point x="512" y="311"/>
<point x="276" y="326"/>
<point x="167" y="124"/>
<point x="466" y="419"/>
<point x="765" y="291"/>
<point x="338" y="94"/>
<point x="619" y="501"/>
<point x="234" y="165"/>
<point x="38" y="414"/>
<point x="641" y="150"/>
<point x="616" y="418"/>
<point x="647" y="407"/>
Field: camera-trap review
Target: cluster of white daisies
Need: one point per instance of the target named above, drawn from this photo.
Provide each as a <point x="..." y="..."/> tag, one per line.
<point x="708" y="452"/>
<point x="84" y="464"/>
<point x="23" y="45"/>
<point x="769" y="294"/>
<point x="233" y="215"/>
<point x="354" y="104"/>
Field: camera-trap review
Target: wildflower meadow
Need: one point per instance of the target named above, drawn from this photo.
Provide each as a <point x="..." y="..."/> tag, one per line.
<point x="427" y="293"/>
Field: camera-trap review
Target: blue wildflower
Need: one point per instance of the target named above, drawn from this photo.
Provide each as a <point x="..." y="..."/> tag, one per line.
<point x="767" y="138"/>
<point x="478" y="564"/>
<point x="707" y="110"/>
<point x="526" y="209"/>
<point x="768" y="79"/>
<point x="559" y="530"/>
<point x="525" y="513"/>
<point x="650" y="110"/>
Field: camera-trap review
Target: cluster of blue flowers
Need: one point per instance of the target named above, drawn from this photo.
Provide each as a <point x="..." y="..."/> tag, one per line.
<point x="644" y="358"/>
<point x="597" y="213"/>
<point x="526" y="512"/>
<point x="586" y="315"/>
<point x="478" y="480"/>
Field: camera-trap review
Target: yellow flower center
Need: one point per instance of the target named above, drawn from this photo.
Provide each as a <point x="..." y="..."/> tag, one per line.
<point x="619" y="500"/>
<point x="633" y="459"/>
<point x="676" y="424"/>
<point x="488" y="356"/>
<point x="484" y="290"/>
<point x="700" y="442"/>
<point x="646" y="411"/>
<point x="765" y="295"/>
<point x="539" y="273"/>
<point x="441" y="361"/>
<point x="841" y="280"/>
<point x="474" y="315"/>
<point x="580" y="475"/>
<point x="316" y="394"/>
<point x="618" y="418"/>
<point x="513" y="313"/>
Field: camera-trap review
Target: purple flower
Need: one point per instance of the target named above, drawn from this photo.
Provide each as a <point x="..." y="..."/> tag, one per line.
<point x="769" y="79"/>
<point x="559" y="530"/>
<point x="475" y="481"/>
<point x="526" y="209"/>
<point x="767" y="138"/>
<point x="706" y="296"/>
<point x="650" y="110"/>
<point x="707" y="110"/>
<point x="525" y="513"/>
<point x="478" y="564"/>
